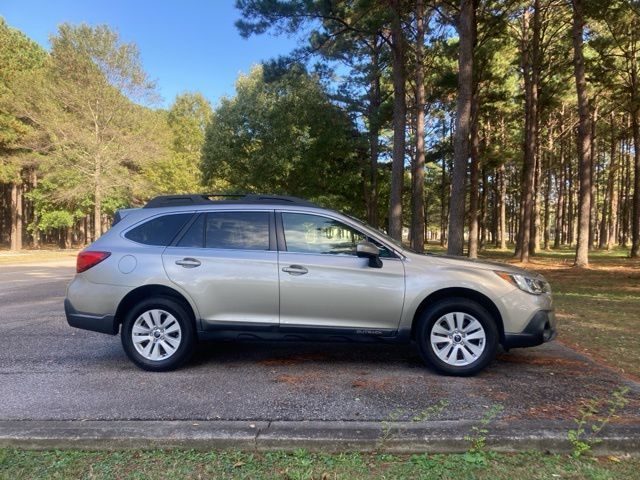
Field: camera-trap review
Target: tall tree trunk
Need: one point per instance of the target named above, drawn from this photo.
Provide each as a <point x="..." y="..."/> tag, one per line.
<point x="16" y="216"/>
<point x="503" y="207"/>
<point x="547" y="193"/>
<point x="482" y="222"/>
<point x="635" y="126"/>
<point x="97" y="212"/>
<point x="86" y="222"/>
<point x="495" y="208"/>
<point x="68" y="236"/>
<point x="593" y="214"/>
<point x="626" y="190"/>
<point x="474" y="180"/>
<point x="443" y="191"/>
<point x="399" y="122"/>
<point x="35" y="235"/>
<point x="603" y="234"/>
<point x="502" y="175"/>
<point x="530" y="55"/>
<point x="417" y="177"/>
<point x="374" y="134"/>
<point x="584" y="138"/>
<point x="560" y="206"/>
<point x="82" y="233"/>
<point x="612" y="189"/>
<point x="570" y="216"/>
<point x="534" y="245"/>
<point x="5" y="214"/>
<point x="635" y="209"/>
<point x="466" y="26"/>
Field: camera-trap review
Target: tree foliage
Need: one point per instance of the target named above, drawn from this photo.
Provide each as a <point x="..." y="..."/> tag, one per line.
<point x="361" y="116"/>
<point x="286" y="137"/>
<point x="19" y="58"/>
<point x="178" y="170"/>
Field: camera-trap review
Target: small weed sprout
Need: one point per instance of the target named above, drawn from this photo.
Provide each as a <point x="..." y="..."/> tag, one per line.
<point x="588" y="425"/>
<point x="478" y="438"/>
<point x="430" y="412"/>
<point x="387" y="427"/>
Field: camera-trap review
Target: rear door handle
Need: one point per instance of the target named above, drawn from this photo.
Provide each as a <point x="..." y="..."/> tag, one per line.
<point x="295" y="270"/>
<point x="188" y="262"/>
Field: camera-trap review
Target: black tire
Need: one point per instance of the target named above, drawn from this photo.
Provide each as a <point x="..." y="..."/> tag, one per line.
<point x="432" y="314"/>
<point x="187" y="341"/>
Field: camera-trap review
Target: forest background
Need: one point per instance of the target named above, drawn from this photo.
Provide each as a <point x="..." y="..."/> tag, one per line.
<point x="471" y="124"/>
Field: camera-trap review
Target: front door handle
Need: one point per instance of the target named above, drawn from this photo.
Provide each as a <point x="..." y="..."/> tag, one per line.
<point x="295" y="270"/>
<point x="188" y="262"/>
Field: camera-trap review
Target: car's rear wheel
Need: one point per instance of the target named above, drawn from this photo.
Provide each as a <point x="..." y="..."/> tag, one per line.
<point x="158" y="334"/>
<point x="457" y="336"/>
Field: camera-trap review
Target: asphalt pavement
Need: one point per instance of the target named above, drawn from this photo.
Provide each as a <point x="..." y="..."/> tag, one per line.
<point x="50" y="371"/>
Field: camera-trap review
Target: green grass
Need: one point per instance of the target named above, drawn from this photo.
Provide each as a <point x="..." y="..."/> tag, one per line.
<point x="178" y="464"/>
<point x="8" y="257"/>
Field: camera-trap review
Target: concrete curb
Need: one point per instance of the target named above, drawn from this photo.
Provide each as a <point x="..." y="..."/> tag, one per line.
<point x="330" y="436"/>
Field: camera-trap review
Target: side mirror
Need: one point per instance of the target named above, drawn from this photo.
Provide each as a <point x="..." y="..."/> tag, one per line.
<point x="369" y="250"/>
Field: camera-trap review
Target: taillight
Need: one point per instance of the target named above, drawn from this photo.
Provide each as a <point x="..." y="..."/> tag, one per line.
<point x="86" y="260"/>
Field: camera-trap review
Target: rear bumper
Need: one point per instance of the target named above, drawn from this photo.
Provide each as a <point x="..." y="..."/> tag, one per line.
<point x="102" y="324"/>
<point x="540" y="329"/>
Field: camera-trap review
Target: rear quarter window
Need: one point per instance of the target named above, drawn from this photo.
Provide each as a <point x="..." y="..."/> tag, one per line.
<point x="159" y="231"/>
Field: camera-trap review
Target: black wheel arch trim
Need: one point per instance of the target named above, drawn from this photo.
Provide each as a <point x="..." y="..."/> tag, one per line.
<point x="459" y="292"/>
<point x="147" y="291"/>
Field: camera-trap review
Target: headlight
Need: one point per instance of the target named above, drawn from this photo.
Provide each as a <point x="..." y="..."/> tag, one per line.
<point x="531" y="285"/>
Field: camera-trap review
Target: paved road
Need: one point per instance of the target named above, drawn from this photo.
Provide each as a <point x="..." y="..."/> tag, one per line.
<point x="51" y="371"/>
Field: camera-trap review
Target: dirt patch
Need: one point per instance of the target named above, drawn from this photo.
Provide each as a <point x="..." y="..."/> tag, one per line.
<point x="498" y="396"/>
<point x="625" y="419"/>
<point x="293" y="359"/>
<point x="291" y="379"/>
<point x="313" y="380"/>
<point x="551" y="411"/>
<point x="601" y="359"/>
<point x="380" y="385"/>
<point x="541" y="361"/>
<point x="572" y="409"/>
<point x="384" y="384"/>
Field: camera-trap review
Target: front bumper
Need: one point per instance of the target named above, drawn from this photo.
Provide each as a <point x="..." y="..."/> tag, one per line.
<point x="540" y="329"/>
<point x="96" y="323"/>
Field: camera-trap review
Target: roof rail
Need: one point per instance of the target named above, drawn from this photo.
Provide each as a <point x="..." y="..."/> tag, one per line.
<point x="223" y="198"/>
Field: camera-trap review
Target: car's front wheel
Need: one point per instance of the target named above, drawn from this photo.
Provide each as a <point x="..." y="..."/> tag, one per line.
<point x="457" y="336"/>
<point x="158" y="334"/>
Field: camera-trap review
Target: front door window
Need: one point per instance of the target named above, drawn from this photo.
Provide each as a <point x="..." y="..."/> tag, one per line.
<point x="320" y="235"/>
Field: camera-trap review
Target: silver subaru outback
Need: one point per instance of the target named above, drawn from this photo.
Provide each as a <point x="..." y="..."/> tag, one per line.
<point x="249" y="267"/>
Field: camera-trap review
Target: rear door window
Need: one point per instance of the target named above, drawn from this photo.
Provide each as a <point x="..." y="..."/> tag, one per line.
<point x="194" y="236"/>
<point x="159" y="231"/>
<point x="229" y="230"/>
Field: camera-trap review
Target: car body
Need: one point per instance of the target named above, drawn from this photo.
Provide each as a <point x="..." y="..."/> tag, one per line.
<point x="271" y="267"/>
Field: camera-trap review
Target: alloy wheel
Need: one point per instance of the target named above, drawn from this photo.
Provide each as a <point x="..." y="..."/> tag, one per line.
<point x="458" y="339"/>
<point x="156" y="334"/>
